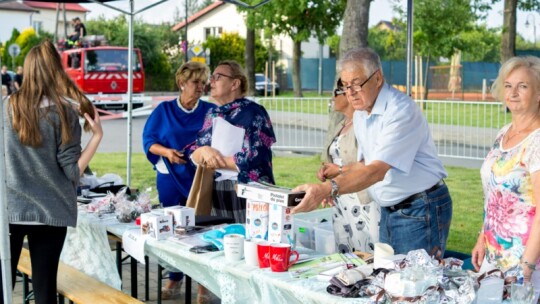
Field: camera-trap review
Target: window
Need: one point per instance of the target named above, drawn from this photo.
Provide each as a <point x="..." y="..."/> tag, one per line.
<point x="37" y="25"/>
<point x="212" y="32"/>
<point x="74" y="60"/>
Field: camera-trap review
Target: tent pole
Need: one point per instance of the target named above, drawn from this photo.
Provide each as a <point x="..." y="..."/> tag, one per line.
<point x="130" y="93"/>
<point x="409" y="44"/>
<point x="5" y="253"/>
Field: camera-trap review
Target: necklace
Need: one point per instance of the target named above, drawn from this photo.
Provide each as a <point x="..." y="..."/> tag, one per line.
<point x="508" y="137"/>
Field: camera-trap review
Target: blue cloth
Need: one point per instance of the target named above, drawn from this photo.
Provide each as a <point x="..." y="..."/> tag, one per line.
<point x="172" y="127"/>
<point x="425" y="224"/>
<point x="397" y="133"/>
<point x="254" y="162"/>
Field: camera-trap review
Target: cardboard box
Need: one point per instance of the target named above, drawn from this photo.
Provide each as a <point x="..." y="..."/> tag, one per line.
<point x="270" y="194"/>
<point x="280" y="227"/>
<point x="256" y="219"/>
<point x="157" y="225"/>
<point x="182" y="216"/>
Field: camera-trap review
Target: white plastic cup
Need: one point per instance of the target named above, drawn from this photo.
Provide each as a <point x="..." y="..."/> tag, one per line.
<point x="233" y="246"/>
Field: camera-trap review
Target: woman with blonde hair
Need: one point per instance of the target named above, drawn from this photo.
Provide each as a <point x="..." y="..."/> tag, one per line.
<point x="510" y="235"/>
<point x="171" y="126"/>
<point x="44" y="162"/>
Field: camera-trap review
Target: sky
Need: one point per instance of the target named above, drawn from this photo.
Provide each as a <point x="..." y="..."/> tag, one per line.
<point x="380" y="10"/>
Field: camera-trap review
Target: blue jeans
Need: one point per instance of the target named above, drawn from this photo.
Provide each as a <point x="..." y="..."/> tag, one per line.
<point x="424" y="224"/>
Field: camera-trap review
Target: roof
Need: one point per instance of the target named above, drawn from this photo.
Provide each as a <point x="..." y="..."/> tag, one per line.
<point x="52" y="5"/>
<point x="198" y="15"/>
<point x="16" y="6"/>
<point x="387" y="25"/>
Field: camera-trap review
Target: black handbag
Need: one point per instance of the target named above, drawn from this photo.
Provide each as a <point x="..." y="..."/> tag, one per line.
<point x="110" y="187"/>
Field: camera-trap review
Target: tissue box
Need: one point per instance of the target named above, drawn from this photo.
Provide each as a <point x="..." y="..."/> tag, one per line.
<point x="158" y="226"/>
<point x="280" y="225"/>
<point x="182" y="216"/>
<point x="256" y="219"/>
<point x="269" y="194"/>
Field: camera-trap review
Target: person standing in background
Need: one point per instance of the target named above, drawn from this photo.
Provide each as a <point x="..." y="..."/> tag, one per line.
<point x="17" y="83"/>
<point x="6" y="79"/>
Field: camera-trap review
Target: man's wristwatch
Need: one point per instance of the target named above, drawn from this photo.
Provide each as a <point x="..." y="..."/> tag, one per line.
<point x="335" y="189"/>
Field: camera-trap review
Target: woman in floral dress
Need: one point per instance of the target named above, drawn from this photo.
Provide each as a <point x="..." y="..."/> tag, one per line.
<point x="510" y="235"/>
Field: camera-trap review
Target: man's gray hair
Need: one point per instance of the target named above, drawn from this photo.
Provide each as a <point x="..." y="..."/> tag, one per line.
<point x="365" y="57"/>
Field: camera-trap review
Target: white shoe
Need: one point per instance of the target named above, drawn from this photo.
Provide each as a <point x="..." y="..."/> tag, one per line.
<point x="170" y="293"/>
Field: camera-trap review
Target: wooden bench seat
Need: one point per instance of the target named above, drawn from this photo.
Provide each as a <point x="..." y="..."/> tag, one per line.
<point x="77" y="286"/>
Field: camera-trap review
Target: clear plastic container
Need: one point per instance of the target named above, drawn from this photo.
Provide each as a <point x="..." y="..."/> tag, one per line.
<point x="325" y="241"/>
<point x="304" y="224"/>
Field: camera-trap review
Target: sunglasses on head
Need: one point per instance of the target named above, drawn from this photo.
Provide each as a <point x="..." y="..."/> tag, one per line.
<point x="338" y="91"/>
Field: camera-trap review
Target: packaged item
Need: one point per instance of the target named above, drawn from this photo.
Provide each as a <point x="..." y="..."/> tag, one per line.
<point x="256" y="219"/>
<point x="182" y="216"/>
<point x="280" y="225"/>
<point x="270" y="194"/>
<point x="157" y="225"/>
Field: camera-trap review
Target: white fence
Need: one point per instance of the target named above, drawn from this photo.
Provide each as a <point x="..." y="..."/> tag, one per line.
<point x="461" y="129"/>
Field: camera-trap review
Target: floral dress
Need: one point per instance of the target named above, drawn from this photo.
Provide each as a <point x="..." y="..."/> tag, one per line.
<point x="509" y="206"/>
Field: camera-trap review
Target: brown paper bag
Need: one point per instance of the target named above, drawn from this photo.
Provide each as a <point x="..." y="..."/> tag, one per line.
<point x="200" y="195"/>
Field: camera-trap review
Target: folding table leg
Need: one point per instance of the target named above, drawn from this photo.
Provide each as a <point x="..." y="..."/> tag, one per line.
<point x="119" y="258"/>
<point x="159" y="278"/>
<point x="133" y="277"/>
<point x="187" y="292"/>
<point x="146" y="279"/>
<point x="26" y="287"/>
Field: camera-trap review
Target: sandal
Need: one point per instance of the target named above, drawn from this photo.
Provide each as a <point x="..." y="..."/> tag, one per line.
<point x="170" y="293"/>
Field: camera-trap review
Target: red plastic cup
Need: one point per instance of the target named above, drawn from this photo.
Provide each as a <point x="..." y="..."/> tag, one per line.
<point x="263" y="253"/>
<point x="280" y="257"/>
<point x="138" y="221"/>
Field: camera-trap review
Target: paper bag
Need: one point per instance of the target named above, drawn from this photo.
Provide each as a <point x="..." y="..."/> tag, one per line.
<point x="200" y="195"/>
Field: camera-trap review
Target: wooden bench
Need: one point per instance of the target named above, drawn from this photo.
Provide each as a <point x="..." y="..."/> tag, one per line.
<point x="77" y="286"/>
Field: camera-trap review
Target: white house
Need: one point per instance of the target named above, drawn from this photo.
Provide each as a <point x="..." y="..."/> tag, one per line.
<point x="15" y="15"/>
<point x="39" y="15"/>
<point x="220" y="17"/>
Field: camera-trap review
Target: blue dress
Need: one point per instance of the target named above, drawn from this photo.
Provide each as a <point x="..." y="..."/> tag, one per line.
<point x="173" y="127"/>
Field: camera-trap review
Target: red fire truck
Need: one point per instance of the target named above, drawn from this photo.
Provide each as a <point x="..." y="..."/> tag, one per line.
<point x="102" y="73"/>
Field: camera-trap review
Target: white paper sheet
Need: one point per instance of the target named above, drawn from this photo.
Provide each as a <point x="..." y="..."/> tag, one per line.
<point x="228" y="140"/>
<point x="133" y="243"/>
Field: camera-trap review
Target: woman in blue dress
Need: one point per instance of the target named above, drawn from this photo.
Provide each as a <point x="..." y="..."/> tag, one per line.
<point x="170" y="127"/>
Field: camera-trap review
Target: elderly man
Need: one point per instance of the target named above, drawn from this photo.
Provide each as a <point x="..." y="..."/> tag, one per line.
<point x="397" y="161"/>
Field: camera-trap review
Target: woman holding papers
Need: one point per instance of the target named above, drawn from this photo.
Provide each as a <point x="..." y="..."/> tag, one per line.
<point x="252" y="160"/>
<point x="44" y="162"/>
<point x="171" y="126"/>
<point x="356" y="216"/>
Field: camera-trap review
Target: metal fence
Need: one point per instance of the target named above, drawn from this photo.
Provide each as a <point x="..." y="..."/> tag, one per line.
<point x="460" y="129"/>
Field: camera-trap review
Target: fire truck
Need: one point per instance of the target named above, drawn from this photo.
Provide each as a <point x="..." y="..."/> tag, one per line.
<point x="101" y="72"/>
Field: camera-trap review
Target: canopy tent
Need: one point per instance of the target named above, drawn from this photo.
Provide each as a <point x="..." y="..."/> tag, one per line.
<point x="4" y="226"/>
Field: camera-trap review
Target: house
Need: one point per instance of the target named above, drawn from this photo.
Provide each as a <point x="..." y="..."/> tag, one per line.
<point x="386" y="26"/>
<point x="15" y="15"/>
<point x="39" y="15"/>
<point x="221" y="17"/>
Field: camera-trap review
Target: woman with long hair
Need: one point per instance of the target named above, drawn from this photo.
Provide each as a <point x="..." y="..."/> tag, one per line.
<point x="44" y="162"/>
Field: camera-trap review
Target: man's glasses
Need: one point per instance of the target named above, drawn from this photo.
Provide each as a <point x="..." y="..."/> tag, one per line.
<point x="217" y="76"/>
<point x="358" y="87"/>
<point x="338" y="91"/>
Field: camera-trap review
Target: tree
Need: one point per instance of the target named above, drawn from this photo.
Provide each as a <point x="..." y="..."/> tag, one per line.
<point x="355" y="25"/>
<point x="389" y="44"/>
<point x="300" y="19"/>
<point x="481" y="44"/>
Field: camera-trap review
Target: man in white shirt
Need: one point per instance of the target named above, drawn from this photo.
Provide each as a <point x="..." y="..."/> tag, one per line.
<point x="397" y="161"/>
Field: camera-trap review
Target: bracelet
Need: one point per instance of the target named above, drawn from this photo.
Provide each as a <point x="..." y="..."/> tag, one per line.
<point x="531" y="266"/>
<point x="340" y="169"/>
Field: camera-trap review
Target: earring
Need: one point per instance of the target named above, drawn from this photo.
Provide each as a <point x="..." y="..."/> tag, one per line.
<point x="182" y="88"/>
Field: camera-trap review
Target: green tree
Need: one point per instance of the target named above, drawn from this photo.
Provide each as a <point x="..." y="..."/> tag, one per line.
<point x="6" y="58"/>
<point x="389" y="44"/>
<point x="481" y="44"/>
<point x="300" y="19"/>
<point x="508" y="39"/>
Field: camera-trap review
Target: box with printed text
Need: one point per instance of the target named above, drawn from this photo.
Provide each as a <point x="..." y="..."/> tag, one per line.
<point x="270" y="194"/>
<point x="182" y="216"/>
<point x="156" y="225"/>
<point x="280" y="226"/>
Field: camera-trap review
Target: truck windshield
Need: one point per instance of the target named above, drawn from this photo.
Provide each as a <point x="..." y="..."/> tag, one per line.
<point x="109" y="61"/>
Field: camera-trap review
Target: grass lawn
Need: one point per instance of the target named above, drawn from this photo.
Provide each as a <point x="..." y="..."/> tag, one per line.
<point x="464" y="184"/>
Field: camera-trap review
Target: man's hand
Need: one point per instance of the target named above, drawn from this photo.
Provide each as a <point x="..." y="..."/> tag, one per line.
<point x="316" y="194"/>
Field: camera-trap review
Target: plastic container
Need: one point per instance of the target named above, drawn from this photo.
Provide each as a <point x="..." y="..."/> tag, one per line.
<point x="325" y="241"/>
<point x="304" y="224"/>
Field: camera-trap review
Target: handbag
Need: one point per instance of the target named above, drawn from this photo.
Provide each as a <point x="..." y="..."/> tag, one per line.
<point x="110" y="187"/>
<point x="200" y="194"/>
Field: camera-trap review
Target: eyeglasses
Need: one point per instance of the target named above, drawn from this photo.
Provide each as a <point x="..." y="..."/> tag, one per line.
<point x="217" y="76"/>
<point x="338" y="91"/>
<point x="358" y="87"/>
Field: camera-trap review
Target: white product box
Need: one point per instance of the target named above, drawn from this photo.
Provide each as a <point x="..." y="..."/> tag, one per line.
<point x="280" y="226"/>
<point x="156" y="225"/>
<point x="256" y="219"/>
<point x="182" y="216"/>
<point x="270" y="194"/>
